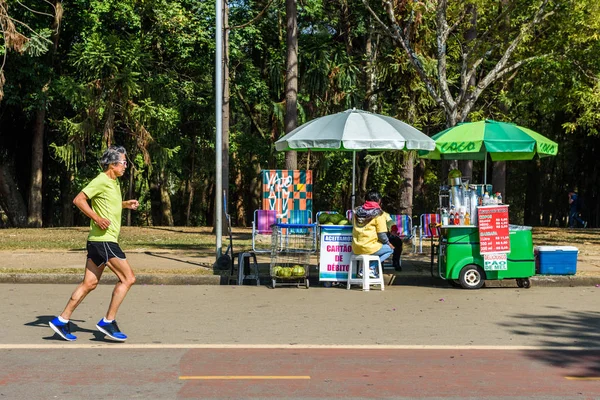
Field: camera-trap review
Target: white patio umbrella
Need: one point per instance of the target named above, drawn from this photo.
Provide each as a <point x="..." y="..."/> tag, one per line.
<point x="355" y="130"/>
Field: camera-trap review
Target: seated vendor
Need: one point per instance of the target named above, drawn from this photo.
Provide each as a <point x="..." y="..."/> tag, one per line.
<point x="369" y="232"/>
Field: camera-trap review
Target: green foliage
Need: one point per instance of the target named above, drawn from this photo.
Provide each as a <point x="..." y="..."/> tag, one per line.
<point x="140" y="73"/>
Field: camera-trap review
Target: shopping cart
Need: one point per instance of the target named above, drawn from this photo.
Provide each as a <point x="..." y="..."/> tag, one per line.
<point x="291" y="248"/>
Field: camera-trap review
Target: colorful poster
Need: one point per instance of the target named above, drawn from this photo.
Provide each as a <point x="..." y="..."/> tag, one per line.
<point x="286" y="190"/>
<point x="336" y="250"/>
<point x="493" y="229"/>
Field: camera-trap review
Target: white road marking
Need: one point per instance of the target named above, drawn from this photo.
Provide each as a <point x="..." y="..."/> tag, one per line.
<point x="158" y="346"/>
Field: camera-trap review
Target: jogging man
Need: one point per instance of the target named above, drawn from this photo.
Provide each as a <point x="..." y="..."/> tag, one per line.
<point x="103" y="249"/>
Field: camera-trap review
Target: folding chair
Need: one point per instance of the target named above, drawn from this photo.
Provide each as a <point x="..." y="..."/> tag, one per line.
<point x="425" y="230"/>
<point x="349" y="215"/>
<point x="299" y="217"/>
<point x="262" y="230"/>
<point x="405" y="228"/>
<point x="404" y="223"/>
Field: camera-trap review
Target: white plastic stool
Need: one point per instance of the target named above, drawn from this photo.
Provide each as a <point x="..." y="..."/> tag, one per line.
<point x="365" y="281"/>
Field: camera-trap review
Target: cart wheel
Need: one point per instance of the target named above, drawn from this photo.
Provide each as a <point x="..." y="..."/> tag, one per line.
<point x="524" y="283"/>
<point x="306" y="283"/>
<point x="273" y="283"/>
<point x="472" y="277"/>
<point x="520" y="282"/>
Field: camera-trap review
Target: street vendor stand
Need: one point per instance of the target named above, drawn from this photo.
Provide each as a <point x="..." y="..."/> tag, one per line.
<point x="467" y="255"/>
<point x="486" y="247"/>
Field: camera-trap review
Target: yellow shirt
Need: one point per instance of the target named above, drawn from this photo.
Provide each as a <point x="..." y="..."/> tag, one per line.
<point x="364" y="238"/>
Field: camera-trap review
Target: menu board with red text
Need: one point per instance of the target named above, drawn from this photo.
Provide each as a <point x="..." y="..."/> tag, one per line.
<point x="493" y="229"/>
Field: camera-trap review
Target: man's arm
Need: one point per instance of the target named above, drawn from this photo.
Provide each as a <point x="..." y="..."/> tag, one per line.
<point x="81" y="201"/>
<point x="131" y="204"/>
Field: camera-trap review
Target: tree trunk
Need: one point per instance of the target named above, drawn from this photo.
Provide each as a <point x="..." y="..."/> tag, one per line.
<point x="291" y="79"/>
<point x="165" y="199"/>
<point x="406" y="184"/>
<point x="34" y="218"/>
<point x="407" y="174"/>
<point x="499" y="178"/>
<point x="419" y="177"/>
<point x="66" y="194"/>
<point x="240" y="208"/>
<point x="226" y="99"/>
<point x="190" y="184"/>
<point x="499" y="167"/>
<point x="10" y="198"/>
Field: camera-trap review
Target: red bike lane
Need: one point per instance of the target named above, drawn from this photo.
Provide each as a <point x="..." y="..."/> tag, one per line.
<point x="172" y="371"/>
<point x="388" y="373"/>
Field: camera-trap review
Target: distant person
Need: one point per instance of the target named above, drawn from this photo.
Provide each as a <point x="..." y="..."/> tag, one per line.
<point x="369" y="232"/>
<point x="103" y="249"/>
<point x="575" y="206"/>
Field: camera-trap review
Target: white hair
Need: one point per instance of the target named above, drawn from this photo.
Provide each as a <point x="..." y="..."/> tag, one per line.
<point x="112" y="155"/>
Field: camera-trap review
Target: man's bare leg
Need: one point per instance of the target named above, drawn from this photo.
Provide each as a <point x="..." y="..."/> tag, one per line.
<point x="90" y="282"/>
<point x="126" y="277"/>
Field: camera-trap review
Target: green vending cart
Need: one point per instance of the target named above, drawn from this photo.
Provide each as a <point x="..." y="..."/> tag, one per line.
<point x="459" y="258"/>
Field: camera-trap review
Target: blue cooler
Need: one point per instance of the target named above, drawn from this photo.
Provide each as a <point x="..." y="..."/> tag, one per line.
<point x="556" y="260"/>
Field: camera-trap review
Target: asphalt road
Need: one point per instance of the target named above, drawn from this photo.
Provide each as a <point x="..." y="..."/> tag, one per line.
<point x="249" y="342"/>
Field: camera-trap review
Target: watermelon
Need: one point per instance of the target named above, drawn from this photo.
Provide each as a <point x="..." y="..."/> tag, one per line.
<point x="298" y="270"/>
<point x="323" y="218"/>
<point x="286" y="272"/>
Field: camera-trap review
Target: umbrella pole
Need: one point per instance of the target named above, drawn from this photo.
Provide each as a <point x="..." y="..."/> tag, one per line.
<point x="353" y="177"/>
<point x="485" y="170"/>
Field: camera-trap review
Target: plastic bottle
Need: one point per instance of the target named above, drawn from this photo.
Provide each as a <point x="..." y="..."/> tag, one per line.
<point x="445" y="217"/>
<point x="486" y="199"/>
<point x="451" y="217"/>
<point x="467" y="218"/>
<point x="461" y="218"/>
<point x="456" y="218"/>
<point x="499" y="197"/>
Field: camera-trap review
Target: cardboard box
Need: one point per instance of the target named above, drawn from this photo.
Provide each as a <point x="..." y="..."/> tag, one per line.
<point x="556" y="260"/>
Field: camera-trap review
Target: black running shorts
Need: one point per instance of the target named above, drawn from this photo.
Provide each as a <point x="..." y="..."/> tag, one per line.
<point x="101" y="252"/>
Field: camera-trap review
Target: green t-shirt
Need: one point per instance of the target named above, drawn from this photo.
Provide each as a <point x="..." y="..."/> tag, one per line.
<point x="105" y="194"/>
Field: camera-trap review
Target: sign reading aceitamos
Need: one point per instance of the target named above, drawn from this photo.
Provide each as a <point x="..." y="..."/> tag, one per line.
<point x="336" y="250"/>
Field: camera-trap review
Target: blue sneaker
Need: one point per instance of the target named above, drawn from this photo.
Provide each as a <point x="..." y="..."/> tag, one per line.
<point x="111" y="330"/>
<point x="63" y="329"/>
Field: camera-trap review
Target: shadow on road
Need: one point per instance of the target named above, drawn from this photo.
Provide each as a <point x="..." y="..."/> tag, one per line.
<point x="168" y="257"/>
<point x="577" y="329"/>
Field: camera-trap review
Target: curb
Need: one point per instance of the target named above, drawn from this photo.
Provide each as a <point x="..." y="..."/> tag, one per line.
<point x="399" y="280"/>
<point x="141" y="279"/>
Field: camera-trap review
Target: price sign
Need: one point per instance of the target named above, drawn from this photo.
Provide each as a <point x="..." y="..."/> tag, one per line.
<point x="495" y="262"/>
<point x="493" y="229"/>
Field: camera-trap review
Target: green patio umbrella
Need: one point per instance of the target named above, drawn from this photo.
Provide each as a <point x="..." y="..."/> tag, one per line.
<point x="504" y="141"/>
